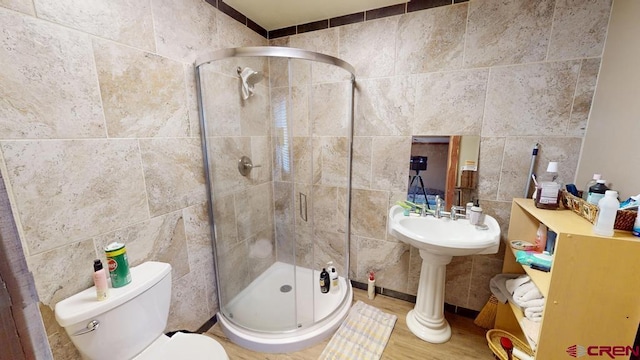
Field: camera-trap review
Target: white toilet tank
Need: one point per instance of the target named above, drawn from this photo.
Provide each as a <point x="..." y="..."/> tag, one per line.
<point x="130" y="319"/>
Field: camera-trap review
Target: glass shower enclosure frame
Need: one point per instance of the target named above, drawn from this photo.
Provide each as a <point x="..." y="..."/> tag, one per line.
<point x="277" y="135"/>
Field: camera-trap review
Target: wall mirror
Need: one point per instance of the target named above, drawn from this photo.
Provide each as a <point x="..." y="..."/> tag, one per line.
<point x="445" y="166"/>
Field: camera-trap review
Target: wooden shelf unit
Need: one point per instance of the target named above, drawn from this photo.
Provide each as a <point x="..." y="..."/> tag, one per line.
<point x="591" y="291"/>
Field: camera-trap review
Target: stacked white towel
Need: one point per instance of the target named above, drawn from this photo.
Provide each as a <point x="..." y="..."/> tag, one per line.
<point x="527" y="296"/>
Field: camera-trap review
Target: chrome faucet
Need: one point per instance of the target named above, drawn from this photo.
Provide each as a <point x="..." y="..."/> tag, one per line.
<point x="438" y="212"/>
<point x="457" y="212"/>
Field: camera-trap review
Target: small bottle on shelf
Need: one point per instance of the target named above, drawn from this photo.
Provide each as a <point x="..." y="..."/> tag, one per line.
<point x="593" y="181"/>
<point x="596" y="192"/>
<point x="607" y="210"/>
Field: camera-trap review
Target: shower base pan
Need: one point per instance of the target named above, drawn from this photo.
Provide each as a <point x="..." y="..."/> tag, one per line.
<point x="269" y="304"/>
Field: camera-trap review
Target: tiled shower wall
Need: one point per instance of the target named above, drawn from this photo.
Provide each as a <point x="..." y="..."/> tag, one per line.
<point x="516" y="73"/>
<point x="99" y="134"/>
<point x="99" y="139"/>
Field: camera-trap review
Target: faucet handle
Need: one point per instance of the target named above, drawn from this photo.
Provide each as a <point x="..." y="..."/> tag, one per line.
<point x="457" y="211"/>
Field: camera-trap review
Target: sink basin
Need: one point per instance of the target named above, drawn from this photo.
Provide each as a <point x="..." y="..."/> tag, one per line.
<point x="438" y="241"/>
<point x="444" y="236"/>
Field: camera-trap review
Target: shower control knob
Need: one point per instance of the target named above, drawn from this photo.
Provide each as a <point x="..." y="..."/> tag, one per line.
<point x="245" y="165"/>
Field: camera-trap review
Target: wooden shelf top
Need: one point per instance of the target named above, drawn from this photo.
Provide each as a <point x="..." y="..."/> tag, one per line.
<point x="566" y="221"/>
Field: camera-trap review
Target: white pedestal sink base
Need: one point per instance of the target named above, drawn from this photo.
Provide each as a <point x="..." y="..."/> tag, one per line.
<point x="426" y="320"/>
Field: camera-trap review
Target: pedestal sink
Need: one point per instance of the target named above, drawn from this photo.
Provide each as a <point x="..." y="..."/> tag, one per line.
<point x="438" y="241"/>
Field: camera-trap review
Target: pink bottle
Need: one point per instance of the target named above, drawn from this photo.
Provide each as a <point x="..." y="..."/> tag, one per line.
<point x="100" y="280"/>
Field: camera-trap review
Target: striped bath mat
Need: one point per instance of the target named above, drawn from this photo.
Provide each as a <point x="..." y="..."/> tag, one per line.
<point x="363" y="334"/>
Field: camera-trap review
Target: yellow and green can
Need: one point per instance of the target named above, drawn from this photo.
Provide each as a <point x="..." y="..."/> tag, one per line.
<point x="118" y="264"/>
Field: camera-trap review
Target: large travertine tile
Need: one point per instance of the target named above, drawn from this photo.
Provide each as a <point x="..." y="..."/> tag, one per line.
<point x="507" y="32"/>
<point x="48" y="87"/>
<point x="538" y="96"/>
<point x="302" y="164"/>
<point x="489" y="166"/>
<point x="188" y="303"/>
<point x="450" y="103"/>
<point x="222" y="102"/>
<point x="262" y="251"/>
<point x="334" y="160"/>
<point x="517" y="159"/>
<point x="389" y="261"/>
<point x="361" y="171"/>
<point x="62" y="272"/>
<point x="185" y="29"/>
<point x="585" y="89"/>
<point x="129" y="23"/>
<point x="415" y="267"/>
<point x="224" y="218"/>
<point x="389" y="167"/>
<point x="369" y="213"/>
<point x="385" y="106"/>
<point x="431" y="40"/>
<point x="329" y="246"/>
<point x="197" y="230"/>
<point x="261" y="157"/>
<point x="192" y="100"/>
<point x="370" y="46"/>
<point x="143" y="94"/>
<point x="254" y="208"/>
<point x="254" y="113"/>
<point x="284" y="205"/>
<point x="23" y="6"/>
<point x="232" y="33"/>
<point x="324" y="208"/>
<point x="173" y="173"/>
<point x="324" y="42"/>
<point x="296" y="111"/>
<point x="69" y="190"/>
<point x="330" y="109"/>
<point x="234" y="269"/>
<point x="458" y="281"/>
<point x="161" y="239"/>
<point x="579" y="29"/>
<point x="483" y="269"/>
<point x="224" y="153"/>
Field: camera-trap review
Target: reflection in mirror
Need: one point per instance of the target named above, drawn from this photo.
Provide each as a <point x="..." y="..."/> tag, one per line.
<point x="444" y="166"/>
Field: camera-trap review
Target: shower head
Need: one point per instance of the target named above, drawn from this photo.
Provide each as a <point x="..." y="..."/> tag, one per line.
<point x="249" y="79"/>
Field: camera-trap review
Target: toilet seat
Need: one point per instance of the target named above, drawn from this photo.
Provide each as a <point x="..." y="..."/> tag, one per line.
<point x="184" y="346"/>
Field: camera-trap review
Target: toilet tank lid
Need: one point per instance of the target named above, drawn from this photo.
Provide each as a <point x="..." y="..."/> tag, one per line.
<point x="83" y="306"/>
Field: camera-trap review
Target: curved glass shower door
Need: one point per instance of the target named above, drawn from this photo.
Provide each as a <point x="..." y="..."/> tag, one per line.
<point x="277" y="141"/>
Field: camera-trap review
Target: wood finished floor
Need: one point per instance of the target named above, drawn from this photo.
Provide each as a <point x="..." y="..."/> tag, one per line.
<point x="467" y="340"/>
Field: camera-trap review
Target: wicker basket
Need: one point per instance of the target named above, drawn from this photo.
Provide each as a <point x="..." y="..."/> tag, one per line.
<point x="624" y="218"/>
<point x="493" y="340"/>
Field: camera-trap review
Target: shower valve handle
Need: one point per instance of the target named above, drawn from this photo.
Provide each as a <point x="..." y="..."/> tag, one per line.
<point x="245" y="165"/>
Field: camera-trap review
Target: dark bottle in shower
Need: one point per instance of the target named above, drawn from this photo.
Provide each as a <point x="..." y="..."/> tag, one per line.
<point x="324" y="281"/>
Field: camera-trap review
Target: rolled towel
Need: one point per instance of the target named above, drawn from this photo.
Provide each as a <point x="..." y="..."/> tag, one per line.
<point x="498" y="287"/>
<point x="534" y="313"/>
<point x="525" y="292"/>
<point x="530" y="303"/>
<point x="512" y="284"/>
<point x="531" y="330"/>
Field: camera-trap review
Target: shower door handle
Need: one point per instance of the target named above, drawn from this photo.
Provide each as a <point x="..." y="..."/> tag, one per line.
<point x="303" y="206"/>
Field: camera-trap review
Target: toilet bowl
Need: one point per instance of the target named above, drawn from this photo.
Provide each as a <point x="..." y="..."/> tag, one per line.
<point x="130" y="323"/>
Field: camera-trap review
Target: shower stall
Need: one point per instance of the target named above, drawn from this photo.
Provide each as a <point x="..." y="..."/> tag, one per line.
<point x="276" y="127"/>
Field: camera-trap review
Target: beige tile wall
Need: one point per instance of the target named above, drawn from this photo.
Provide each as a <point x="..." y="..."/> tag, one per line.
<point x="100" y="141"/>
<point x="514" y="72"/>
<point x="99" y="130"/>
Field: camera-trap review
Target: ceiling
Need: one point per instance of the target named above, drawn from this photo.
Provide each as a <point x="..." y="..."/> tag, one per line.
<point x="278" y="14"/>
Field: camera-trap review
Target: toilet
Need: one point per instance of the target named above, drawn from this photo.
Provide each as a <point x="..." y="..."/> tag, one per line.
<point x="130" y="323"/>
